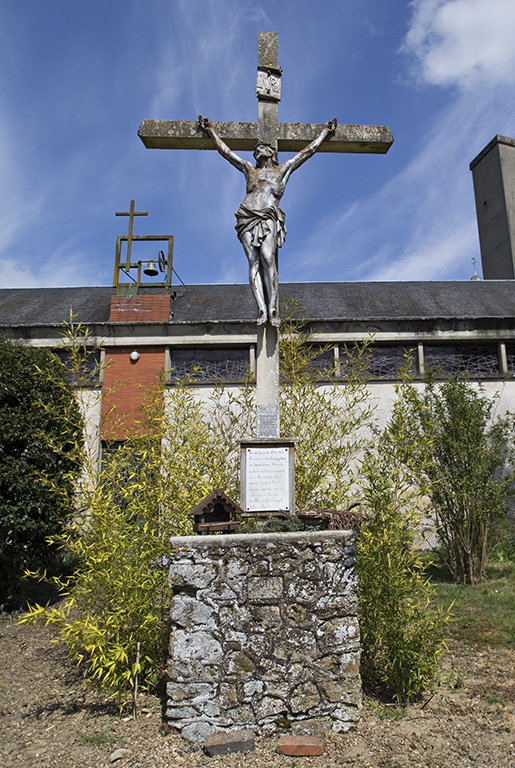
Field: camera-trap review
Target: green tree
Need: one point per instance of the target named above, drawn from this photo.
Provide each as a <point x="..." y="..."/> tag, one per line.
<point x="40" y="459"/>
<point x="469" y="466"/>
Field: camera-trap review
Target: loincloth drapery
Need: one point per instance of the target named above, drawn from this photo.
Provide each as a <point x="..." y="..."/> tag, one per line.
<point x="249" y="220"/>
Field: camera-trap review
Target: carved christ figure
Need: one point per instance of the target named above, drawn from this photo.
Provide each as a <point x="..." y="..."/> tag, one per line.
<point x="259" y="220"/>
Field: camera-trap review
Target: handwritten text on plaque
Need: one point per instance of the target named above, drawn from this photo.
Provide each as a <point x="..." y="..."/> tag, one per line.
<point x="267" y="479"/>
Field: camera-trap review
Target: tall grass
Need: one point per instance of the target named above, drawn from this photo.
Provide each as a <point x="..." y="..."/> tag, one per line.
<point x="483" y="614"/>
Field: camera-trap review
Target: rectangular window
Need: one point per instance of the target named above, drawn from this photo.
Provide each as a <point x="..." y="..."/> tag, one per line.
<point x="207" y="364"/>
<point x="510" y="357"/>
<point x="479" y="360"/>
<point x="84" y="371"/>
<point x="387" y="361"/>
<point x="379" y="361"/>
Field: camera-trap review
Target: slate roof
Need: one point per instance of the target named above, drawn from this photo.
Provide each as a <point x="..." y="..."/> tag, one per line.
<point x="319" y="301"/>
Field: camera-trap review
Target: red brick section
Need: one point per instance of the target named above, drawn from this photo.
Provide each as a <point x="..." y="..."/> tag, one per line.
<point x="140" y="309"/>
<point x="125" y="383"/>
<point x="301" y="746"/>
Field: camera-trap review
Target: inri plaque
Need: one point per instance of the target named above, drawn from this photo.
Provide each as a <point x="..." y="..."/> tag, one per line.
<point x="268" y="421"/>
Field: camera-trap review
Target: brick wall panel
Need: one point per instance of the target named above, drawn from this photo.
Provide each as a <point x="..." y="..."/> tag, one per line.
<point x="125" y="384"/>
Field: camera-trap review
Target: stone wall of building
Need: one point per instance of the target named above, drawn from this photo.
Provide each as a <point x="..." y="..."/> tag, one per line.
<point x="264" y="629"/>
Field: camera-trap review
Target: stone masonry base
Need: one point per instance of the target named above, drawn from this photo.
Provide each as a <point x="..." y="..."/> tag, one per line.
<point x="264" y="633"/>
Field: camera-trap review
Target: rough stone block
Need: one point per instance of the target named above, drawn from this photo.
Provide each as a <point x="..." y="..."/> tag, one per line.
<point x="197" y="731"/>
<point x="265" y="616"/>
<point x="196" y="693"/>
<point x="240" y="665"/>
<point x="265" y="588"/>
<point x="268" y="707"/>
<point x="189" y="646"/>
<point x="297" y="614"/>
<point x="343" y="691"/>
<point x="301" y="746"/>
<point x="189" y="612"/>
<point x="186" y="573"/>
<point x="230" y="741"/>
<point x="302" y="592"/>
<point x="331" y="606"/>
<point x="340" y="633"/>
<point x="305" y="698"/>
<point x="180" y="713"/>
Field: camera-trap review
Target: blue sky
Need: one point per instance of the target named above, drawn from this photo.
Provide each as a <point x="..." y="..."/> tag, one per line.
<point x="76" y="80"/>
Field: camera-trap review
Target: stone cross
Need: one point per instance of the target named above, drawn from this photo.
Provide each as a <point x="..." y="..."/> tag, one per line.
<point x="283" y="137"/>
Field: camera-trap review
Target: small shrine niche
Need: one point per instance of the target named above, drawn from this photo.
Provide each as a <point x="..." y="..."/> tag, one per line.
<point x="217" y="512"/>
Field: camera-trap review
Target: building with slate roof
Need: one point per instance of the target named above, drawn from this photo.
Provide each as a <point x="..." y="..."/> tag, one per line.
<point x="208" y="332"/>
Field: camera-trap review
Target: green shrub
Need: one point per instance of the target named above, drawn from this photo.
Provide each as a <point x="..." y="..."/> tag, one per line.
<point x="469" y="466"/>
<point x="115" y="614"/>
<point x="401" y="627"/>
<point x="40" y="460"/>
<point x="330" y="423"/>
<point x="115" y="617"/>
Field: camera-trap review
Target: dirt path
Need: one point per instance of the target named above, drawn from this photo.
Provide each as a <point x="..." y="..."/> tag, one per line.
<point x="49" y="719"/>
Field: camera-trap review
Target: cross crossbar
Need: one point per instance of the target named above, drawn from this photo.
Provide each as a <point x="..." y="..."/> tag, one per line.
<point x="291" y="137"/>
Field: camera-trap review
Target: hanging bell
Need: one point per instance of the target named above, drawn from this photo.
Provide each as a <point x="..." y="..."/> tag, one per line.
<point x="151" y="270"/>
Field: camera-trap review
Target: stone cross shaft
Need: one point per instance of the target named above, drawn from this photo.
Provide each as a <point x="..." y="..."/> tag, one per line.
<point x="283" y="137"/>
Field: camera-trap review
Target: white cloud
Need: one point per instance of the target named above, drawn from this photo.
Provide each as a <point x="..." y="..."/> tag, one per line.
<point x="431" y="260"/>
<point x="463" y="42"/>
<point x="420" y="225"/>
<point x="15" y="275"/>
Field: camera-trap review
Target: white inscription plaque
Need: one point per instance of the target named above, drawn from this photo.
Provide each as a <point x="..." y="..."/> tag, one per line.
<point x="267" y="480"/>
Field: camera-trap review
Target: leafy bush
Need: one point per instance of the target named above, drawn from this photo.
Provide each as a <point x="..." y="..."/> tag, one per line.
<point x="115" y="618"/>
<point x="468" y="461"/>
<point x="40" y="460"/>
<point x="330" y="423"/>
<point x="401" y="628"/>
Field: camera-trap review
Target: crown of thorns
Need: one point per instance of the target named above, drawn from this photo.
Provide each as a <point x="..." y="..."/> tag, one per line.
<point x="268" y="146"/>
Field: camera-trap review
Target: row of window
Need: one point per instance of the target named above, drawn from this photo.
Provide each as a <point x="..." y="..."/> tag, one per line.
<point x="383" y="362"/>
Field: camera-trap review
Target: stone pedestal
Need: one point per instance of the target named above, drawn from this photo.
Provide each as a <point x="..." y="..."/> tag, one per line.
<point x="264" y="628"/>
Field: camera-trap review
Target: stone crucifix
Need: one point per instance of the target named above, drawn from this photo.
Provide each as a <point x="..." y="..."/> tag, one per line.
<point x="260" y="222"/>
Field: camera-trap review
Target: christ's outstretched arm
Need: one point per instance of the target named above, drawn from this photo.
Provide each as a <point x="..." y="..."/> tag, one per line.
<point x="206" y="125"/>
<point x="297" y="160"/>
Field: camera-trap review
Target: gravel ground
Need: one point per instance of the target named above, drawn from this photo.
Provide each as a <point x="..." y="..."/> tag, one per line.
<point x="48" y="718"/>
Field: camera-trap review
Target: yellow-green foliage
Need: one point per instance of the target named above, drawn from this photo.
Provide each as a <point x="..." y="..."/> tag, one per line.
<point x="330" y="423"/>
<point x="114" y="617"/>
<point x="401" y="627"/>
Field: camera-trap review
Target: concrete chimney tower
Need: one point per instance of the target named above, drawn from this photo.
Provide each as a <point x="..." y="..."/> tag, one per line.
<point x="493" y="174"/>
